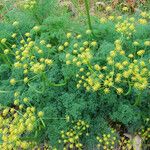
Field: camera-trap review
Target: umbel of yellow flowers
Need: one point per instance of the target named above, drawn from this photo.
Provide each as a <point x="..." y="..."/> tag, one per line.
<point x="94" y="76"/>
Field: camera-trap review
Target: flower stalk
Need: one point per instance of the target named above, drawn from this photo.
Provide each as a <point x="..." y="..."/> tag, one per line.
<point x="88" y="14"/>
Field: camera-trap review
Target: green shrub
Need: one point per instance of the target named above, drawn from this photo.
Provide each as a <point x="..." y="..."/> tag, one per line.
<point x="71" y="74"/>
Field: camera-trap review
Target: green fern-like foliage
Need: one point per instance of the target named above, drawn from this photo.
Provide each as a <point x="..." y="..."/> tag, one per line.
<point x="54" y="90"/>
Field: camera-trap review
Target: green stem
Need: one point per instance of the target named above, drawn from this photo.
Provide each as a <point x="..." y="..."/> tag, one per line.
<point x="44" y="78"/>
<point x="138" y="100"/>
<point x="54" y="118"/>
<point x="88" y="15"/>
<point x="19" y="113"/>
<point x="129" y="90"/>
<point x="9" y="48"/>
<point x="4" y="91"/>
<point x="32" y="87"/>
<point x="58" y="85"/>
<point x="42" y="122"/>
<point x="6" y="61"/>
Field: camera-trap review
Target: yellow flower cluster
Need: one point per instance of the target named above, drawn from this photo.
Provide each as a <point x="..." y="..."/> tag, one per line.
<point x="107" y="141"/>
<point x="103" y="20"/>
<point x="80" y="54"/>
<point x="29" y="4"/>
<point x="111" y="141"/>
<point x="144" y="14"/>
<point x="13" y="81"/>
<point x="44" y="146"/>
<point x="71" y="138"/>
<point x="120" y="69"/>
<point x="144" y="17"/>
<point x="142" y="21"/>
<point x="108" y="8"/>
<point x="3" y="41"/>
<point x="125" y="143"/>
<point x="30" y="57"/>
<point x="126" y="28"/>
<point x="125" y="9"/>
<point x="17" y="122"/>
<point x="147" y="43"/>
<point x="145" y="132"/>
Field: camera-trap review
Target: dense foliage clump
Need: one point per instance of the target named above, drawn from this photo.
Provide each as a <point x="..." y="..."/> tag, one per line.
<point x="65" y="86"/>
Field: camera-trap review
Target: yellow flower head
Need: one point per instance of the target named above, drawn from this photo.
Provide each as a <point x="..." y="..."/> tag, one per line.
<point x="88" y="31"/>
<point x="141" y="52"/>
<point x="40" y="114"/>
<point x="108" y="8"/>
<point x="125" y="9"/>
<point x="16" y="23"/>
<point x="68" y="35"/>
<point x="13" y="81"/>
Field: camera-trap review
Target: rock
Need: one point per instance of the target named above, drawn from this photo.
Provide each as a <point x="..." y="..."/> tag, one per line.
<point x="136" y="141"/>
